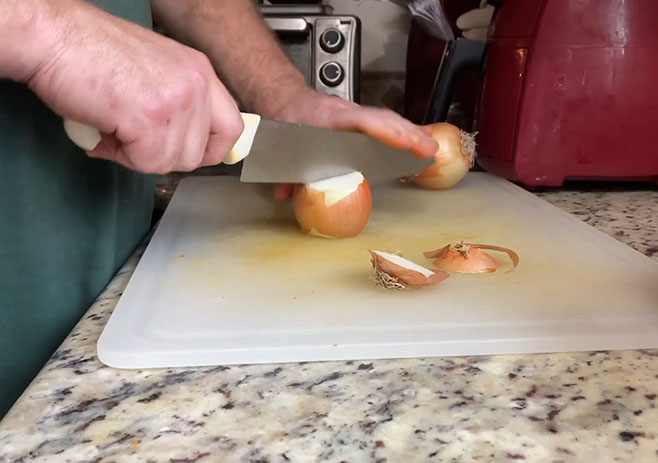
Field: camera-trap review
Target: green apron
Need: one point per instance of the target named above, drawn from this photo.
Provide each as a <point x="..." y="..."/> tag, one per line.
<point x="67" y="223"/>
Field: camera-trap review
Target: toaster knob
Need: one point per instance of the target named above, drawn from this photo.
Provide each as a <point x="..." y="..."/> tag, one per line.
<point x="331" y="40"/>
<point x="331" y="74"/>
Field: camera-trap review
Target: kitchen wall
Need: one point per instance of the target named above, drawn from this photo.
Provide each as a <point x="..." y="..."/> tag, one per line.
<point x="385" y="26"/>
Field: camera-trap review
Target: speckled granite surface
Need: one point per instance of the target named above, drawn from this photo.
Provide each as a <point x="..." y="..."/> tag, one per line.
<point x="581" y="407"/>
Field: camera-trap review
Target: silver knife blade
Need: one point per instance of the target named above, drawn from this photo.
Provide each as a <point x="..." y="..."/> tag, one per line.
<point x="294" y="153"/>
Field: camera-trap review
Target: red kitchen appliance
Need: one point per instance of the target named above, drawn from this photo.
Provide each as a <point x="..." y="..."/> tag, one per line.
<point x="570" y="90"/>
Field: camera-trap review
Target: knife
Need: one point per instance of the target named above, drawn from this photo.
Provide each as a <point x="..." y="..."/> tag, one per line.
<point x="282" y="152"/>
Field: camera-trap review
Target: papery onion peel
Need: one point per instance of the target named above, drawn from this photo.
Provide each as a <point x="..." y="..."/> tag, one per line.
<point x="469" y="258"/>
<point x="393" y="271"/>
<point x="453" y="159"/>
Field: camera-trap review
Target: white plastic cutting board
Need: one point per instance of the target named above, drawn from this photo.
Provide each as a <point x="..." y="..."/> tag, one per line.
<point x="229" y="279"/>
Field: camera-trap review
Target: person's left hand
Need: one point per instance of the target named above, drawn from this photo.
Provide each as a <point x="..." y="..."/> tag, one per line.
<point x="317" y="109"/>
<point x="474" y="24"/>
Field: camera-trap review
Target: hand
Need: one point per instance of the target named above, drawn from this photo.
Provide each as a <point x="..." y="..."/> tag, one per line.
<point x="474" y="24"/>
<point x="158" y="104"/>
<point x="314" y="108"/>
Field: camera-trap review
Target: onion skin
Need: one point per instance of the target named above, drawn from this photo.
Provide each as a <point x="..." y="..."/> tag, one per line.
<point x="453" y="159"/>
<point x="405" y="276"/>
<point x="514" y="257"/>
<point x="469" y="258"/>
<point x="344" y="219"/>
<point x="452" y="260"/>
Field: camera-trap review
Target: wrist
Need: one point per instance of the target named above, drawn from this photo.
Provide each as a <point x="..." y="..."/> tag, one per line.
<point x="32" y="36"/>
<point x="274" y="100"/>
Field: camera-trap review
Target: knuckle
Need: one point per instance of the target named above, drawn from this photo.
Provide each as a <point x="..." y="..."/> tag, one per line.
<point x="201" y="62"/>
<point x="233" y="127"/>
<point x="199" y="70"/>
<point x="197" y="81"/>
<point x="191" y="161"/>
<point x="159" y="108"/>
<point x="181" y="92"/>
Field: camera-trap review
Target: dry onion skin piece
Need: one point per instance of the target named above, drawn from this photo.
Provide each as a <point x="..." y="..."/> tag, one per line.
<point x="514" y="257"/>
<point x="392" y="271"/>
<point x="453" y="160"/>
<point x="470" y="258"/>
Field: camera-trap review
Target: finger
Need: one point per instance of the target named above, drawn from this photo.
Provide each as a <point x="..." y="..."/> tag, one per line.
<point x="196" y="136"/>
<point x="391" y="129"/>
<point x="283" y="191"/>
<point x="109" y="149"/>
<point x="226" y="124"/>
<point x="155" y="148"/>
<point x="173" y="155"/>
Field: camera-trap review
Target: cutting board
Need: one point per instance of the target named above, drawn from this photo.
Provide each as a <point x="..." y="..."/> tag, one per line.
<point x="228" y="278"/>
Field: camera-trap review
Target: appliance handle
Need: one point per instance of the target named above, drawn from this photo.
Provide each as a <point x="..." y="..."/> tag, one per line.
<point x="291" y="26"/>
<point x="462" y="52"/>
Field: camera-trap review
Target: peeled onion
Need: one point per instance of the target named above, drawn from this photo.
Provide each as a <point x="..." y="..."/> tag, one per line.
<point x="338" y="207"/>
<point x="469" y="258"/>
<point x="392" y="271"/>
<point x="453" y="159"/>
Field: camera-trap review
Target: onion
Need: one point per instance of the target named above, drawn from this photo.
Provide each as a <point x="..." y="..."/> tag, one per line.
<point x="338" y="207"/>
<point x="392" y="271"/>
<point x="454" y="158"/>
<point x="469" y="258"/>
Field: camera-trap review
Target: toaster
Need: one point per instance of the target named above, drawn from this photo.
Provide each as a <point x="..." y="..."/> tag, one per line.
<point x="569" y="90"/>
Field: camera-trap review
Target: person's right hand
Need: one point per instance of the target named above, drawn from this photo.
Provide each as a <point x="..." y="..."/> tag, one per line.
<point x="158" y="104"/>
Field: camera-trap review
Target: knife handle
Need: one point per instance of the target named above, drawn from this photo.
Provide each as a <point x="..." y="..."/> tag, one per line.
<point x="243" y="145"/>
<point x="83" y="135"/>
<point x="87" y="137"/>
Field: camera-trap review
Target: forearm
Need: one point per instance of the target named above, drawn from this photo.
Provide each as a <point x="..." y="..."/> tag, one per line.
<point x="31" y="32"/>
<point x="243" y="50"/>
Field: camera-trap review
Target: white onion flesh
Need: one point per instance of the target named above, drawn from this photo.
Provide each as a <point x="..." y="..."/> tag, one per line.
<point x="338" y="188"/>
<point x="402" y="262"/>
<point x="392" y="271"/>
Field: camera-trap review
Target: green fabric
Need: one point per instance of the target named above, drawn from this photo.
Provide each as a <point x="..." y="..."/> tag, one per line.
<point x="67" y="223"/>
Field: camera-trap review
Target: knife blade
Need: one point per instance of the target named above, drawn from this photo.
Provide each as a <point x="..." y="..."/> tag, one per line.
<point x="281" y="152"/>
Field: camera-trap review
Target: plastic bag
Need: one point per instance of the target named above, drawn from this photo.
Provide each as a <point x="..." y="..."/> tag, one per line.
<point x="430" y="15"/>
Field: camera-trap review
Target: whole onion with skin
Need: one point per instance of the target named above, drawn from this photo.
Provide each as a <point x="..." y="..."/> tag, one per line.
<point x="337" y="207"/>
<point x="453" y="159"/>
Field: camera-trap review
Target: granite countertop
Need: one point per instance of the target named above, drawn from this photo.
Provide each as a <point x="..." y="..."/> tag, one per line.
<point x="584" y="407"/>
